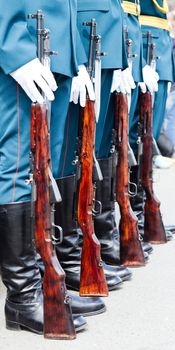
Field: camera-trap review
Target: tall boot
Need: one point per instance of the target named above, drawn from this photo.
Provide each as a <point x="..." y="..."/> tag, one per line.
<point x="20" y="272"/>
<point x="137" y="201"/>
<point x="69" y="251"/>
<point x="105" y="224"/>
<point x="137" y="204"/>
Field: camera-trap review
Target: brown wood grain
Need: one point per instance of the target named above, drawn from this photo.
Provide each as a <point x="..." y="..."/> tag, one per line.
<point x="58" y="322"/>
<point x="131" y="253"/>
<point x="154" y="230"/>
<point x="92" y="280"/>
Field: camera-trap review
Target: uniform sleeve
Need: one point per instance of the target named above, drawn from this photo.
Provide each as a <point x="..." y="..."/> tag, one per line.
<point x="16" y="45"/>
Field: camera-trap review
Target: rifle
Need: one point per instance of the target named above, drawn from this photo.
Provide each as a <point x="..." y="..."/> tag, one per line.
<point x="92" y="278"/>
<point x="130" y="56"/>
<point x="58" y="322"/>
<point x="154" y="230"/>
<point x="131" y="252"/>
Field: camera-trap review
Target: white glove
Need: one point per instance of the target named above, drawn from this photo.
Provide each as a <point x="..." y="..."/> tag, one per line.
<point x="123" y="81"/>
<point x="127" y="82"/>
<point x="150" y="78"/>
<point x="143" y="87"/>
<point x="169" y="87"/>
<point x="79" y="86"/>
<point x="116" y="80"/>
<point x="33" y="73"/>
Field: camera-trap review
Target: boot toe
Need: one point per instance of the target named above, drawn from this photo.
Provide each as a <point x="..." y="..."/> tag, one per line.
<point x="113" y="282"/>
<point x="79" y="323"/>
<point x="169" y="235"/>
<point x="124" y="273"/>
<point x="146" y="256"/>
<point x="170" y="228"/>
<point x="147" y="247"/>
<point x="87" y="306"/>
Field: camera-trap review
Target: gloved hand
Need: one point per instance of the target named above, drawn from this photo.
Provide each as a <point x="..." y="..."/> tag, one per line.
<point x="116" y="80"/>
<point x="33" y="73"/>
<point x="125" y="81"/>
<point x="150" y="78"/>
<point x="79" y="86"/>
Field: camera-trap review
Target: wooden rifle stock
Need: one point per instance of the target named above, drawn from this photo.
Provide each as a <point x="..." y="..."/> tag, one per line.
<point x="131" y="253"/>
<point x="58" y="322"/>
<point x="154" y="231"/>
<point x="92" y="281"/>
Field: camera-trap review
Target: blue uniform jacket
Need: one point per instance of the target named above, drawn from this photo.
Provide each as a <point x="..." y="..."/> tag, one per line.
<point x="109" y="18"/>
<point x="18" y="38"/>
<point x="165" y="62"/>
<point x="134" y="30"/>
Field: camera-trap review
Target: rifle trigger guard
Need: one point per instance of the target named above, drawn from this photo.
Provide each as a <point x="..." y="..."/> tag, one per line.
<point x="56" y="241"/>
<point x="132" y="193"/>
<point x="98" y="206"/>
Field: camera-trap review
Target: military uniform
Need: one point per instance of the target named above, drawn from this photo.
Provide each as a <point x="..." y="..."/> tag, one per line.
<point x="19" y="270"/>
<point x="109" y="18"/>
<point x="153" y="18"/>
<point x="131" y="21"/>
<point x="15" y="106"/>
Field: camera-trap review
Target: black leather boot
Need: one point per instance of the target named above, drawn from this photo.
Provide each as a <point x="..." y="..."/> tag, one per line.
<point x="88" y="306"/>
<point x="69" y="252"/>
<point x="20" y="272"/>
<point x="123" y="272"/>
<point x="104" y="223"/>
<point x="137" y="204"/>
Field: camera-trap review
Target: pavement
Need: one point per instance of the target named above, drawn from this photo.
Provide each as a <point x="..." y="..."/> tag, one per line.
<point x="140" y="316"/>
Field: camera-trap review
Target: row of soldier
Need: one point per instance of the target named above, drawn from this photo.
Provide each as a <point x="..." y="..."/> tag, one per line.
<point x="23" y="78"/>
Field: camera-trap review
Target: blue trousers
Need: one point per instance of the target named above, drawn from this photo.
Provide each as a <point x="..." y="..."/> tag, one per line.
<point x="15" y="136"/>
<point x="158" y="113"/>
<point x="103" y="128"/>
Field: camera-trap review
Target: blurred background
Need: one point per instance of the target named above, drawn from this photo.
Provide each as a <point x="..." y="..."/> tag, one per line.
<point x="166" y="141"/>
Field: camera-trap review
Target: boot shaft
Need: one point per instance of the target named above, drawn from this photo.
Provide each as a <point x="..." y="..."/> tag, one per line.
<point x="19" y="268"/>
<point x="69" y="251"/>
<point x="105" y="189"/>
<point x="104" y="223"/>
<point x="137" y="202"/>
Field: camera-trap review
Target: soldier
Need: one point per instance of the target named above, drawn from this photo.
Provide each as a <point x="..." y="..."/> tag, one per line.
<point x="141" y="72"/>
<point x="21" y="74"/>
<point x="153" y="19"/>
<point x="108" y="16"/>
